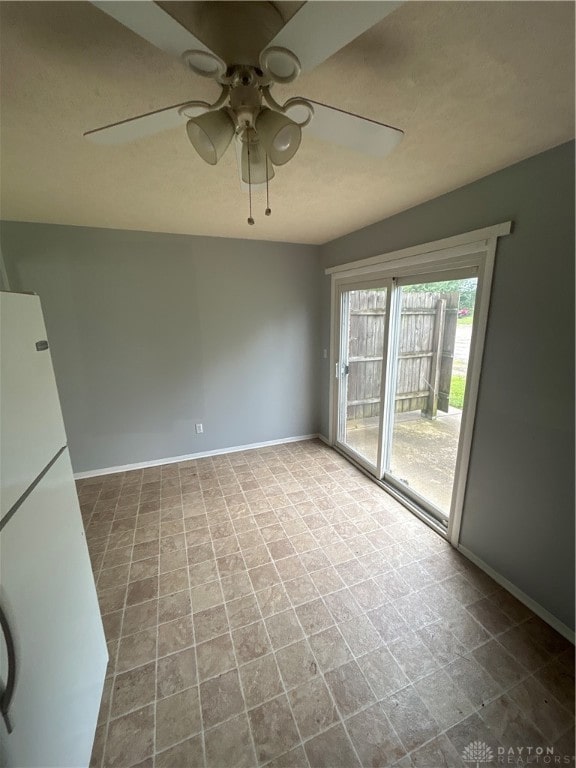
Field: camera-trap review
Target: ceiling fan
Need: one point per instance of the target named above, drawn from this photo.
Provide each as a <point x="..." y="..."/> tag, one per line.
<point x="266" y="132"/>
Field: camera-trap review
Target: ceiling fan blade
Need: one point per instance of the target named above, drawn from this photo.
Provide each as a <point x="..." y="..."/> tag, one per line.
<point x="319" y="29"/>
<point x="149" y="21"/>
<point x="139" y="127"/>
<point x="352" y="131"/>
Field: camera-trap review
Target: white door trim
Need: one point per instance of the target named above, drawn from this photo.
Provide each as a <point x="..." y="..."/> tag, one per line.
<point x="471" y="249"/>
<point x="446" y="244"/>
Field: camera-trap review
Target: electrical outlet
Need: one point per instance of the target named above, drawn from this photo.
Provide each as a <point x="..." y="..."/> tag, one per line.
<point x="199" y="429"/>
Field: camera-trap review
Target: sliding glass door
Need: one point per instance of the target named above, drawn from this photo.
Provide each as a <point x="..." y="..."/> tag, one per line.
<point x="364" y="326"/>
<point x="404" y="351"/>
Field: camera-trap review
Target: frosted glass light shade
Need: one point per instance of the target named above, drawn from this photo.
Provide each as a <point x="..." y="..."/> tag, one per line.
<point x="210" y="134"/>
<point x="280" y="136"/>
<point x="259" y="168"/>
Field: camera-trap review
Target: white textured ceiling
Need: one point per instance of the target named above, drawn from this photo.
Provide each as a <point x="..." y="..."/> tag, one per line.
<point x="476" y="86"/>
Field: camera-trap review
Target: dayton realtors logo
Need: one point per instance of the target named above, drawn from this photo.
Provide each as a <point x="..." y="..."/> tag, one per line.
<point x="479" y="753"/>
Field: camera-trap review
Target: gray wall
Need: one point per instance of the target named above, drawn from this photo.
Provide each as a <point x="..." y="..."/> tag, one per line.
<point x="151" y="333"/>
<point x="519" y="507"/>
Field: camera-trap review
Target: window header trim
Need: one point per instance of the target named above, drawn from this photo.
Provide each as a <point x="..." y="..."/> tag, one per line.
<point x="457" y="245"/>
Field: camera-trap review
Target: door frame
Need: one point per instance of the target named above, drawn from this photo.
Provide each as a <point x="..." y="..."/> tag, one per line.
<point x="471" y="249"/>
<point x="343" y="287"/>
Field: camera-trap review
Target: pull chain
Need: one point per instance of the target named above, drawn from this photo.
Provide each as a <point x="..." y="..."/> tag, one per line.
<point x="250" y="219"/>
<point x="267" y="212"/>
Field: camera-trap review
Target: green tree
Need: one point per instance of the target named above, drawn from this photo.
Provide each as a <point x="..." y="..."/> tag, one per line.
<point x="466" y="288"/>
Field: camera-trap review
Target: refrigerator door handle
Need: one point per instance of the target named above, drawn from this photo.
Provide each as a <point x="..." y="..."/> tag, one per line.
<point x="7" y="693"/>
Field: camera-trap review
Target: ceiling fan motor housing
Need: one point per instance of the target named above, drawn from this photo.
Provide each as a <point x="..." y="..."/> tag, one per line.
<point x="245" y="103"/>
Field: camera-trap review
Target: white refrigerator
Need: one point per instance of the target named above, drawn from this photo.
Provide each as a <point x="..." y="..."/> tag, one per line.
<point x="53" y="652"/>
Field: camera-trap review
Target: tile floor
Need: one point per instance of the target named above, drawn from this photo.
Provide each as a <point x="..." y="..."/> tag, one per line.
<point x="275" y="607"/>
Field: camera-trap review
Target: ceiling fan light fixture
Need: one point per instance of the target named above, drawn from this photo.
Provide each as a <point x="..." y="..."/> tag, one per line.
<point x="280" y="136"/>
<point x="261" y="169"/>
<point x="210" y="134"/>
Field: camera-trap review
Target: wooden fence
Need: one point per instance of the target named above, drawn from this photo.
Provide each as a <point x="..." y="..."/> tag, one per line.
<point x="425" y="353"/>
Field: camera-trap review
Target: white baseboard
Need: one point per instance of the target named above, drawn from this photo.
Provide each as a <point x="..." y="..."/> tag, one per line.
<point x="324" y="439"/>
<point x="545" y="615"/>
<point x="190" y="457"/>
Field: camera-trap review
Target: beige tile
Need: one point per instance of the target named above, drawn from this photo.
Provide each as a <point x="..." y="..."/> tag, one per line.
<point x="410" y="718"/>
<point x="174" y="606"/>
<point x="351" y="572"/>
<point x="330" y="649"/>
<point x="297" y="663"/>
<point x="188" y="753"/>
<point x="382" y="672"/>
<point x="210" y="623"/>
<point x="263" y="576"/>
<point x="139" y="617"/>
<point x="104" y="710"/>
<point x="230" y="564"/>
<point x="273" y="728"/>
<point x="250" y="642"/>
<point x="221" y="698"/>
<point x="141" y="591"/>
<point x="350" y="690"/>
<point x="177" y="718"/>
<point x="215" y="656"/>
<point x="260" y="680"/>
<point x="558" y="678"/>
<point x="176" y="672"/>
<point x="374" y="738"/>
<point x="145" y="550"/>
<point x="173" y="581"/>
<point x="133" y="689"/>
<point x="243" y="611"/>
<point x="478" y="685"/>
<point x="112" y="623"/>
<point x="363" y="578"/>
<point x="496" y="660"/>
<point x="130" y="738"/>
<point x="313" y="707"/>
<point x="230" y="745"/>
<point x="201" y="573"/>
<point x="290" y="568"/>
<point x="368" y="594"/>
<point x="144" y="569"/>
<point x="446" y="701"/>
<point x="236" y="586"/>
<point x="332" y="749"/>
<point x="113" y="577"/>
<point x="301" y="590"/>
<point x="171" y="561"/>
<point x="273" y="600"/>
<point x="441" y="643"/>
<point x="314" y="616"/>
<point x="327" y="580"/>
<point x="112" y="599"/>
<point x="413" y="656"/>
<point x="136" y="650"/>
<point x="439" y="751"/>
<point x="175" y="635"/>
<point x="206" y="596"/>
<point x="508" y="725"/>
<point x="541" y="708"/>
<point x="283" y="628"/>
<point x="255" y="555"/>
<point x="98" y="747"/>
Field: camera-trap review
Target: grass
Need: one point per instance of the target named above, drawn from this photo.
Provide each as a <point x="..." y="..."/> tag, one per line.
<point x="457" y="386"/>
<point x="465" y="320"/>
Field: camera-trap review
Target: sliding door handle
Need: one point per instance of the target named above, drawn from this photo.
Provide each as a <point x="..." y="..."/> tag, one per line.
<point x="8" y="692"/>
